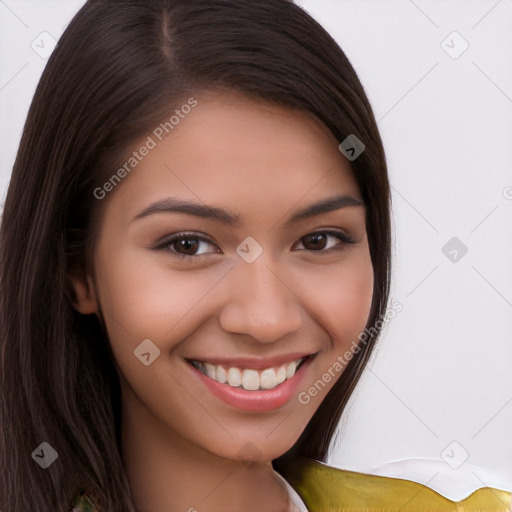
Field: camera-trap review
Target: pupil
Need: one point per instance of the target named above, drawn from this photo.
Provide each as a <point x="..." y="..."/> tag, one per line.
<point x="316" y="241"/>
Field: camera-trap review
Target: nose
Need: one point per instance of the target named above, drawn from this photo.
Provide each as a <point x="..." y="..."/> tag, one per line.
<point x="261" y="304"/>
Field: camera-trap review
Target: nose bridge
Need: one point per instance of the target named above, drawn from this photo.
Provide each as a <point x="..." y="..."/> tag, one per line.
<point x="260" y="303"/>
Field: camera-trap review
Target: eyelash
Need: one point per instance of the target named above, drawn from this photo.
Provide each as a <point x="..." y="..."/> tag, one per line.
<point x="177" y="237"/>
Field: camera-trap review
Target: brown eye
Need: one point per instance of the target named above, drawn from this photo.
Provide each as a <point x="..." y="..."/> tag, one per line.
<point x="187" y="245"/>
<point x="315" y="241"/>
<point x="324" y="241"/>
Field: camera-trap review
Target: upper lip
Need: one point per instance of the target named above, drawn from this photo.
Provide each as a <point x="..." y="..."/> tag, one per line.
<point x="256" y="363"/>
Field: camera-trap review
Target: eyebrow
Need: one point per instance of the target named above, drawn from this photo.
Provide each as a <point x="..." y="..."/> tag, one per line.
<point x="325" y="206"/>
<point x="175" y="205"/>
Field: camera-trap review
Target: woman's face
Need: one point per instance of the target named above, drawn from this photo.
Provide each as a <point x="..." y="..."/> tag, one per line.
<point x="238" y="242"/>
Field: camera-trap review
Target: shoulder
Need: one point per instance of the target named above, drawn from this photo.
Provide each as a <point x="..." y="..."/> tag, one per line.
<point x="322" y="487"/>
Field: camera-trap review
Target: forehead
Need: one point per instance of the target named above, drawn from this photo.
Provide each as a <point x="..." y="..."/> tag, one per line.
<point x="237" y="152"/>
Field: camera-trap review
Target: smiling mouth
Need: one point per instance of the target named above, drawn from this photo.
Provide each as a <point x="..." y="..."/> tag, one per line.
<point x="248" y="378"/>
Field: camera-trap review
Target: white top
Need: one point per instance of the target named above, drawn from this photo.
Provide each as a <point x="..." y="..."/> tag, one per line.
<point x="299" y="504"/>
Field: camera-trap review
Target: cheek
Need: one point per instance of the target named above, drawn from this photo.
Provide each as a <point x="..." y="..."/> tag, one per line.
<point x="147" y="299"/>
<point x="343" y="297"/>
<point x="341" y="306"/>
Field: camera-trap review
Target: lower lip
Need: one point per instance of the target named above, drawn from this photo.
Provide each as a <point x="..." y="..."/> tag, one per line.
<point x="261" y="400"/>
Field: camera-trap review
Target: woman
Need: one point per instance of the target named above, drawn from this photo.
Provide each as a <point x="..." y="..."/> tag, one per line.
<point x="187" y="252"/>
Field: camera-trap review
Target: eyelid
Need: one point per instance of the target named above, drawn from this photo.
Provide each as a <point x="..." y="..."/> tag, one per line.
<point x="167" y="240"/>
<point x="343" y="236"/>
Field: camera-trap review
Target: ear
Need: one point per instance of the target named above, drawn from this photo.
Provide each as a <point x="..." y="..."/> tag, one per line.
<point x="84" y="300"/>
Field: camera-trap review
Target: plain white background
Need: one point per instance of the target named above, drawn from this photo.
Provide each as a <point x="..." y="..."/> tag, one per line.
<point x="435" y="405"/>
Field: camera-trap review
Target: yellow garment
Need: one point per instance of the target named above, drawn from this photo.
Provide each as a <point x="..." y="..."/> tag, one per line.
<point x="327" y="489"/>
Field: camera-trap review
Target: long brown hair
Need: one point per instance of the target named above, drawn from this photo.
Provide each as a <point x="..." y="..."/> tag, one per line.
<point x="120" y="66"/>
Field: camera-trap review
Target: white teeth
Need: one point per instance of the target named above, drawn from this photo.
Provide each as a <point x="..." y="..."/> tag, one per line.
<point x="268" y="379"/>
<point x="249" y="379"/>
<point x="281" y="374"/>
<point x="234" y="377"/>
<point x="290" y="369"/>
<point x="210" y="370"/>
<point x="222" y="375"/>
